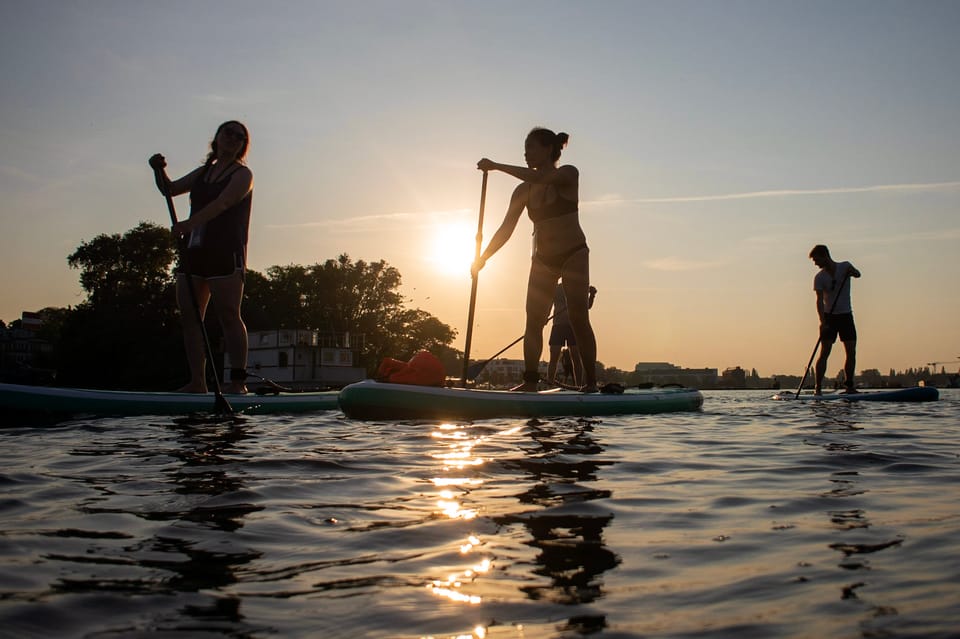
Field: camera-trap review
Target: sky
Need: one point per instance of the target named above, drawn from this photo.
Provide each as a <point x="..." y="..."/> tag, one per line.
<point x="717" y="142"/>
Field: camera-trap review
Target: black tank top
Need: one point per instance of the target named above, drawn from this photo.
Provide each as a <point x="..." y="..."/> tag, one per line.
<point x="228" y="231"/>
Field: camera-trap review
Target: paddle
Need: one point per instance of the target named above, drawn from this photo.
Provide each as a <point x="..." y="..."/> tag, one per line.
<point x="220" y="405"/>
<point x="816" y="346"/>
<point x="477" y="368"/>
<point x="473" y="287"/>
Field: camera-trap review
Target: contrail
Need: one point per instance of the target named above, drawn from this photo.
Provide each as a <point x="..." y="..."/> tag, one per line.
<point x="361" y="223"/>
<point x="879" y="188"/>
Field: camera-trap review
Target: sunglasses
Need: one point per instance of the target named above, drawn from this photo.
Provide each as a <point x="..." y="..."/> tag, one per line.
<point x="235" y="134"/>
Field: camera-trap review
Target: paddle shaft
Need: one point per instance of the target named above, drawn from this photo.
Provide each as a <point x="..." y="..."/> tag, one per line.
<point x="220" y="403"/>
<point x="820" y="337"/>
<point x="477" y="368"/>
<point x="473" y="286"/>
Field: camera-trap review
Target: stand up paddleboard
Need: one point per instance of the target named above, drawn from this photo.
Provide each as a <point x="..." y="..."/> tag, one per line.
<point x="912" y="394"/>
<point x="78" y="401"/>
<point x="378" y="400"/>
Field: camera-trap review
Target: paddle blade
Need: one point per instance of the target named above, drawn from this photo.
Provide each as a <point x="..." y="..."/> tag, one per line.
<point x="221" y="406"/>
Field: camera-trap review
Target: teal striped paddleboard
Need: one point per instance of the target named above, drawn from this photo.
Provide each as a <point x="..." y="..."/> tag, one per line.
<point x="80" y="401"/>
<point x="378" y="400"/>
<point x="912" y="394"/>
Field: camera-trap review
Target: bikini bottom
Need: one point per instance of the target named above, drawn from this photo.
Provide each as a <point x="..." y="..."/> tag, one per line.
<point x="558" y="261"/>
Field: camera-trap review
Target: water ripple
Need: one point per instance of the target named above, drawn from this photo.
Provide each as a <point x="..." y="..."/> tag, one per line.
<point x="752" y="518"/>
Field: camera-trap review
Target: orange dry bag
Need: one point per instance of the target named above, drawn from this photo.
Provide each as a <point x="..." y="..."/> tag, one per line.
<point x="423" y="369"/>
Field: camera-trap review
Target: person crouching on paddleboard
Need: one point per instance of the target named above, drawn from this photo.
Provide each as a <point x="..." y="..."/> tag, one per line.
<point x="214" y="250"/>
<point x="550" y="194"/>
<point x="832" y="287"/>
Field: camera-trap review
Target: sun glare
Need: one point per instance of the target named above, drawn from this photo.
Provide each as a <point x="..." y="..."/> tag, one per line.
<point x="452" y="247"/>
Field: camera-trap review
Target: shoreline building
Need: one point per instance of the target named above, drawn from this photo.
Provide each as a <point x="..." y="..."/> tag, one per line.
<point x="25" y="357"/>
<point x="302" y="358"/>
<point x="660" y="373"/>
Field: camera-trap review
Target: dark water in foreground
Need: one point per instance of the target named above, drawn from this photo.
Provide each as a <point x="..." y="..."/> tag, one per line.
<point x="753" y="518"/>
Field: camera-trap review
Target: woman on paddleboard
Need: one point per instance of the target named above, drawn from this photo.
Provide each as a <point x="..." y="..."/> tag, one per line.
<point x="214" y="250"/>
<point x="550" y="194"/>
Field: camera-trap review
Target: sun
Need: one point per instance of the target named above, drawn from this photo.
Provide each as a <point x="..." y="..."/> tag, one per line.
<point x="451" y="248"/>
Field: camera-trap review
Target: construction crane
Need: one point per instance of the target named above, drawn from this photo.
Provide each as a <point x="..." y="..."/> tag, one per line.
<point x="946" y="362"/>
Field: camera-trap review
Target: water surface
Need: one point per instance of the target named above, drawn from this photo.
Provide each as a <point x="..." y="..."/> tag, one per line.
<point x="752" y="518"/>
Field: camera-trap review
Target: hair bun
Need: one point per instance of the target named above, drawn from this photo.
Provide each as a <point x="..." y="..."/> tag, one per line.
<point x="562" y="139"/>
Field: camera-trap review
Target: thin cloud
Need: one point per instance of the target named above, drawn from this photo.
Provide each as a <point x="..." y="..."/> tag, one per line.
<point x="366" y="223"/>
<point x="878" y="188"/>
<point x="679" y="264"/>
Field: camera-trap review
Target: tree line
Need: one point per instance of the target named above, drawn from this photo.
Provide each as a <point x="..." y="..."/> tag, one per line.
<point x="126" y="333"/>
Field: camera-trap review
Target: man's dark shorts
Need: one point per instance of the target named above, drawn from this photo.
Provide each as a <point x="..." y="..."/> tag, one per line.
<point x="562" y="335"/>
<point x="209" y="264"/>
<point x="838" y="324"/>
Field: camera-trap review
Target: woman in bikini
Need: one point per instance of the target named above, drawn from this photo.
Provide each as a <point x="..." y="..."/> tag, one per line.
<point x="215" y="253"/>
<point x="550" y="194"/>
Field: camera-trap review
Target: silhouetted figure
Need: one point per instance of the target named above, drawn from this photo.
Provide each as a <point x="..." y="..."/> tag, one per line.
<point x="550" y="194"/>
<point x="562" y="338"/>
<point x="214" y="249"/>
<point x="832" y="287"/>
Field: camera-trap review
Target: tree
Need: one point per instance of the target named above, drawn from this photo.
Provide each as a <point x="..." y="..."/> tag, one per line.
<point x="413" y="330"/>
<point x="340" y="296"/>
<point x="126" y="334"/>
<point x="611" y="374"/>
<point x="363" y="297"/>
<point x="871" y="377"/>
<point x="118" y="270"/>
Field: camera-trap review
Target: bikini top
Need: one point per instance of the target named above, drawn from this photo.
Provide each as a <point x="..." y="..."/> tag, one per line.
<point x="558" y="207"/>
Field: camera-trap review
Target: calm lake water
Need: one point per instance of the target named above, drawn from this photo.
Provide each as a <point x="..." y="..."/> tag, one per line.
<point x="752" y="518"/>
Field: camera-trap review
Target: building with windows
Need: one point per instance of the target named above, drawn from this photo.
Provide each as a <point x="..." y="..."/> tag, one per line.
<point x="660" y="373"/>
<point x="302" y="358"/>
<point x="734" y="377"/>
<point x="24" y="356"/>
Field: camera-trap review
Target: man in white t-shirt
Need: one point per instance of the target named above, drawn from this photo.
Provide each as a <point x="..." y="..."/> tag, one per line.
<point x="832" y="287"/>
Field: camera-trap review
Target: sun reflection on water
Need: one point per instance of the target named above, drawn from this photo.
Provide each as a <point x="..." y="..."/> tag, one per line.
<point x="457" y="455"/>
<point x="478" y="633"/>
<point x="449" y="587"/>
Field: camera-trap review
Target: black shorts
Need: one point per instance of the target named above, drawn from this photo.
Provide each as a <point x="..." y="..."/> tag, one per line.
<point x="203" y="262"/>
<point x="562" y="335"/>
<point x="838" y="324"/>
